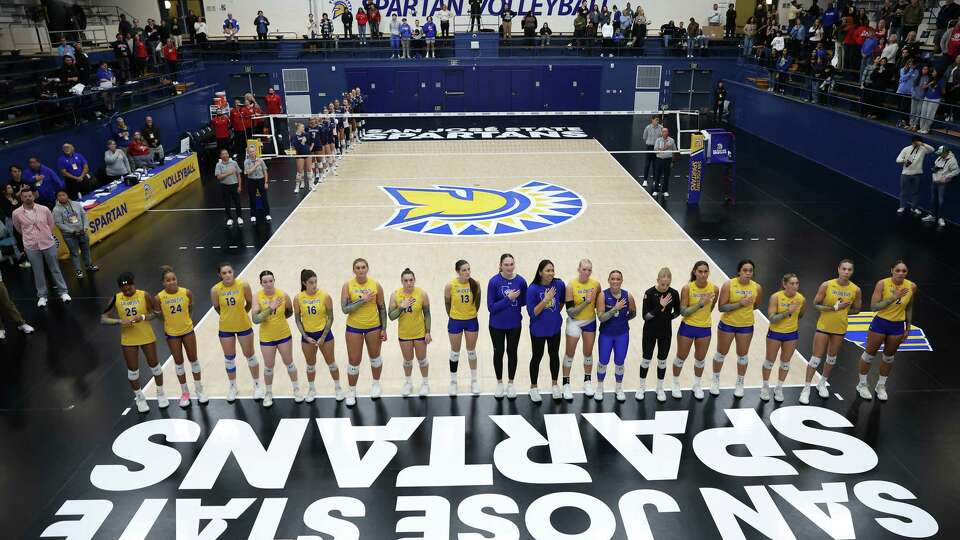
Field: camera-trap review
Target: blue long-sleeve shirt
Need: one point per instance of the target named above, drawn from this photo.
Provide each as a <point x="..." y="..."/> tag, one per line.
<point x="550" y="320"/>
<point x="405" y="31"/>
<point x="430" y="29"/>
<point x="506" y="314"/>
<point x="51" y="183"/>
<point x="905" y="86"/>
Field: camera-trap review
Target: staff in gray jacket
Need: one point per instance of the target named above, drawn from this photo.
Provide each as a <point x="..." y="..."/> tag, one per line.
<point x="117" y="164"/>
<point x="650" y="134"/>
<point x="945" y="169"/>
<point x="911" y="158"/>
<point x="71" y="219"/>
<point x="666" y="148"/>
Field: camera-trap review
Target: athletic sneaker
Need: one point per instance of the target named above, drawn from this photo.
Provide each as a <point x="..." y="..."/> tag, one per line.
<point x="142" y="405"/>
<point x="805" y="396"/>
<point x="765" y="392"/>
<point x="3" y="334"/>
<point x="453" y="388"/>
<point x="941" y="223"/>
<point x="239" y="221"/>
<point x="535" y="395"/>
<point x="474" y="386"/>
<point x="407" y="389"/>
<point x="738" y="389"/>
<point x="257" y="392"/>
<point x="901" y="210"/>
<point x="65" y="298"/>
<point x="555" y="392"/>
<point x="375" y="390"/>
<point x="697" y="390"/>
<point x="511" y="391"/>
<point x="201" y="396"/>
<point x="598" y="395"/>
<point x="229" y="223"/>
<point x="822" y="388"/>
<point x="587" y="390"/>
<point x="881" y="390"/>
<point x="297" y="394"/>
<point x="253" y="219"/>
<point x="568" y="392"/>
<point x="498" y="391"/>
<point x="644" y="183"/>
<point x="666" y="193"/>
<point x="351" y="398"/>
<point x="641" y="390"/>
<point x="675" y="392"/>
<point x="231" y="393"/>
<point x="339" y="394"/>
<point x="661" y="395"/>
<point x="269" y="219"/>
<point x="715" y="387"/>
<point x="621" y="397"/>
<point x="864" y="391"/>
<point x="162" y="400"/>
<point x="655" y="193"/>
<point x="916" y="211"/>
<point x="184" y="400"/>
<point x="42" y="302"/>
<point x="267" y="399"/>
<point x="928" y="218"/>
<point x="311" y="395"/>
<point x="778" y="393"/>
<point x="25" y="328"/>
<point x="296" y="188"/>
<point x="424" y="388"/>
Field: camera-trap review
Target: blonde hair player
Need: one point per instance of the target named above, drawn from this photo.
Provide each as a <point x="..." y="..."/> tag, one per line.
<point x="134" y="308"/>
<point x="581" y="303"/>
<point x="461" y="297"/>
<point x="303" y="145"/>
<point x="232" y="299"/>
<point x="784" y="310"/>
<point x="661" y="304"/>
<point x="836" y="299"/>
<point x="271" y="311"/>
<point x="313" y="313"/>
<point x="738" y="299"/>
<point x="695" y="329"/>
<point x="361" y="299"/>
<point x="411" y="305"/>
<point x="893" y="301"/>
<point x="174" y="304"/>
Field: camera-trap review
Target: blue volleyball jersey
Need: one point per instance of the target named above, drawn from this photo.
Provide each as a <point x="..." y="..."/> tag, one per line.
<point x="550" y="320"/>
<point x="301" y="143"/>
<point x="617" y="324"/>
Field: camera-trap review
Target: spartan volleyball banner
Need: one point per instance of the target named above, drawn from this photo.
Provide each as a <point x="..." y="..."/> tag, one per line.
<point x="474" y="133"/>
<point x="493" y="474"/>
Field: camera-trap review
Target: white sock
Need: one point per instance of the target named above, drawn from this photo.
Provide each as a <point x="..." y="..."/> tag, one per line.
<point x="311" y="385"/>
<point x="882" y="380"/>
<point x="806" y="384"/>
<point x="269" y="387"/>
<point x="660" y="384"/>
<point x="407" y="378"/>
<point x="199" y="386"/>
<point x="453" y="377"/>
<point x="863" y="378"/>
<point x="740" y="380"/>
<point x="473" y="374"/>
<point x="716" y="377"/>
<point x="766" y="383"/>
<point x="233" y="384"/>
<point x="336" y="384"/>
<point x="184" y="388"/>
<point x="676" y="379"/>
<point x="696" y="380"/>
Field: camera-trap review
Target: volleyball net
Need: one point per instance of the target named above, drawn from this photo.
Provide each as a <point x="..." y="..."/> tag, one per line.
<point x="405" y="134"/>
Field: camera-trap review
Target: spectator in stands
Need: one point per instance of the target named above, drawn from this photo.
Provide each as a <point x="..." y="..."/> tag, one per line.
<point x="347" y="20"/>
<point x="506" y="16"/>
<point x="693" y="32"/>
<point x="200" y="27"/>
<point x="191" y="20"/>
<point x="912" y="16"/>
<point x="829" y="20"/>
<point x="362" y="21"/>
<point x="75" y="171"/>
<point x="908" y="75"/>
<point x="476" y="9"/>
<point x="140" y="153"/>
<point x="579" y="30"/>
<point x="945" y="169"/>
<point x="151" y="135"/>
<point x="16" y="180"/>
<point x="313" y="28"/>
<point x="35" y="224"/>
<point x="545" y="33"/>
<point x="252" y="110"/>
<point x="665" y="148"/>
<point x="140" y="57"/>
<point x="137" y="30"/>
<point x="121" y="133"/>
<point x="406" y="33"/>
<point x="373" y="15"/>
<point x="152" y="33"/>
<point x="105" y="77"/>
<point x="257" y="183"/>
<point x="176" y="31"/>
<point x="65" y="48"/>
<point x="784" y="62"/>
<point x="445" y="16"/>
<point x="326" y="31"/>
<point x="68" y="74"/>
<point x="121" y="51"/>
<point x="822" y="72"/>
<point x="70" y="217"/>
<point x="881" y="77"/>
<point x="170" y="58"/>
<point x="640" y="27"/>
<point x="615" y="17"/>
<point x="416" y="40"/>
<point x="931" y="101"/>
<point x="262" y="24"/>
<point x="951" y="89"/>
<point x="798" y="36"/>
<point x="887" y="13"/>
<point x="231" y="28"/>
<point x="890" y="49"/>
<point x="626" y="27"/>
<point x="910" y="48"/>
<point x="10" y="201"/>
<point x="227" y="172"/>
<point x="867" y="47"/>
<point x="952" y="39"/>
<point x="529" y="26"/>
<point x="125" y="28"/>
<point x="273" y="102"/>
<point x="221" y="130"/>
<point x="430" y="36"/>
<point x="115" y="160"/>
<point x="730" y="29"/>
<point x="749" y="33"/>
<point x="911" y="158"/>
<point x="43" y="179"/>
<point x="949" y="13"/>
<point x="917" y="93"/>
<point x="82" y="60"/>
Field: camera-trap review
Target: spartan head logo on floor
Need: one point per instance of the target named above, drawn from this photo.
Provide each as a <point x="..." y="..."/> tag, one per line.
<point x="469" y="211"/>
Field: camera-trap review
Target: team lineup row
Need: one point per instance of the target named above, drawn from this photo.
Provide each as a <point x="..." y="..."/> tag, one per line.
<point x="594" y="315"/>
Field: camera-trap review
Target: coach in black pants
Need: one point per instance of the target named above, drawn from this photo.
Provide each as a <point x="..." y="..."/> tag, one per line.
<point x="665" y="148"/>
<point x="257" y="178"/>
<point x="650" y="134"/>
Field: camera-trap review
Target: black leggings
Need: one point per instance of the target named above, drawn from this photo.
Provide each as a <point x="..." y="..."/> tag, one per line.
<point x="254" y="185"/>
<point x="511" y="338"/>
<point x="553" y="349"/>
<point x="660" y="338"/>
<point x="230" y="198"/>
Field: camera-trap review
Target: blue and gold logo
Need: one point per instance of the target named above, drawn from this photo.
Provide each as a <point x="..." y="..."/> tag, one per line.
<point x="470" y="211"/>
<point x="859" y="324"/>
<point x="339" y="7"/>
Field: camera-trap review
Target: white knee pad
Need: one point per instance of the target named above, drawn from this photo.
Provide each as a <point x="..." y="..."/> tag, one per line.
<point x="678" y="362"/>
<point x="662" y="364"/>
<point x="472" y="356"/>
<point x="309" y="176"/>
<point x="353" y="370"/>
<point x="454" y="357"/>
<point x="888" y="359"/>
<point x="699" y="364"/>
<point x="268" y="372"/>
<point x="587" y="361"/>
<point x="815" y="361"/>
<point x="602" y="368"/>
<point x="231" y="363"/>
<point x="133" y="375"/>
<point x="333" y="367"/>
<point x="299" y="177"/>
<point x="867" y="358"/>
<point x="742" y="360"/>
<point x="423" y="362"/>
<point x="376" y="362"/>
<point x="831" y="360"/>
<point x="719" y="358"/>
<point x="784" y="366"/>
<point x="407" y="364"/>
<point x="567" y="362"/>
<point x="291" y="368"/>
<point x="767" y="364"/>
<point x="180" y="370"/>
<point x="618" y="371"/>
<point x="158" y="371"/>
<point x="195" y="367"/>
<point x="645" y="362"/>
<point x="311" y="368"/>
<point x="252" y="361"/>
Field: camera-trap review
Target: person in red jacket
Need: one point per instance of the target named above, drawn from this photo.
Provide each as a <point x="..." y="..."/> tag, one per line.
<point x="274" y="105"/>
<point x="953" y="43"/>
<point x="139" y="56"/>
<point x="362" y="20"/>
<point x="239" y="128"/>
<point x="170" y="56"/>
<point x="221" y="130"/>
<point x="140" y="153"/>
<point x="252" y="109"/>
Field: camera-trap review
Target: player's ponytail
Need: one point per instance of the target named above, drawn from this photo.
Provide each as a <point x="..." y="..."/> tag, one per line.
<point x="474" y="286"/>
<point x="786" y="279"/>
<point x="305" y="276"/>
<point x="407" y="271"/>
